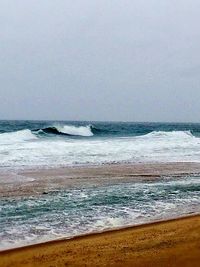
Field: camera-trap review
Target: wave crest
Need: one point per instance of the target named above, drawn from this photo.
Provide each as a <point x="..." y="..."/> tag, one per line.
<point x="18" y="136"/>
<point x="69" y="130"/>
<point x="75" y="130"/>
<point x="172" y="134"/>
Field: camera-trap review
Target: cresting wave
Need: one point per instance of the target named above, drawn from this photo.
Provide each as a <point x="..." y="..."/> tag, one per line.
<point x="68" y="130"/>
<point x="18" y="136"/>
<point x="37" y="148"/>
<point x="85" y="131"/>
<point x="172" y="134"/>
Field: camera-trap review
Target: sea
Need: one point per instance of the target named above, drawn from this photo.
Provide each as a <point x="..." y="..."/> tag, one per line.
<point x="25" y="144"/>
<point x="85" y="209"/>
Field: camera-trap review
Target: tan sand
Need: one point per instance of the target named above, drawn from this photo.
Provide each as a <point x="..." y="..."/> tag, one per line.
<point x="170" y="243"/>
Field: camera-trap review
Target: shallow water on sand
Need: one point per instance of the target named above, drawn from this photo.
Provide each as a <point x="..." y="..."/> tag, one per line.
<point x="84" y="209"/>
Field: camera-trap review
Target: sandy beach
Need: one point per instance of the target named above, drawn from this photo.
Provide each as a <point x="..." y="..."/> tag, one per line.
<point x="169" y="243"/>
<point x="99" y="133"/>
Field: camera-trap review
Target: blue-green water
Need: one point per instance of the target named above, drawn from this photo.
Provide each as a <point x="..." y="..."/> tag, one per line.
<point x="65" y="213"/>
<point x="83" y="209"/>
<point x="102" y="128"/>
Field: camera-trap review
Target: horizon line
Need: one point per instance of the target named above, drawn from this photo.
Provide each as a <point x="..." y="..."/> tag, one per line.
<point x="111" y="121"/>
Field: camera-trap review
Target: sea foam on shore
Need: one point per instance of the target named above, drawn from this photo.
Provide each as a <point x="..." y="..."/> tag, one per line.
<point x="85" y="209"/>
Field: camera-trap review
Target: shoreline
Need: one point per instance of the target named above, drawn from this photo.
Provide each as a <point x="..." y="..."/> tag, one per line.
<point x="110" y="230"/>
<point x="62" y="251"/>
<point x="176" y="241"/>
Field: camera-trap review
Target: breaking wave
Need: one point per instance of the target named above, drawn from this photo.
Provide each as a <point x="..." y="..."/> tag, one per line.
<point x="172" y="134"/>
<point x="83" y="131"/>
<point x="16" y="137"/>
<point x="68" y="130"/>
<point x="42" y="148"/>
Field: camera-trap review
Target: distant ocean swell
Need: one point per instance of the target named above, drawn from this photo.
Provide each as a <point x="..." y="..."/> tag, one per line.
<point x="65" y="144"/>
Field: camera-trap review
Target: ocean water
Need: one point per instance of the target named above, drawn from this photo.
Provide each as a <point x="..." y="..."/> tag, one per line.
<point x="89" y="208"/>
<point x="26" y="144"/>
<point x="67" y="213"/>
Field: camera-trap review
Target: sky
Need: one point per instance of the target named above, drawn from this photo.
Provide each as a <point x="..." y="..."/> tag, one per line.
<point x="123" y="60"/>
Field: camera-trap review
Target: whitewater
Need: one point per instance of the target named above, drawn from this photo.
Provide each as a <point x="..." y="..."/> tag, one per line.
<point x="67" y="144"/>
<point x="41" y="201"/>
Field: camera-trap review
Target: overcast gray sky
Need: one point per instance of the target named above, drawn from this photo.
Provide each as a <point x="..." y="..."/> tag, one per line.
<point x="128" y="60"/>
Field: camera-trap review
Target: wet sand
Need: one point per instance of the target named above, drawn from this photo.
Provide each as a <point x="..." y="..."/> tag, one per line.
<point x="33" y="182"/>
<point x="169" y="243"/>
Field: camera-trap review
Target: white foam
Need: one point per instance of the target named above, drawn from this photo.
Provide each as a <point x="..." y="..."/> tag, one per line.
<point x="23" y="148"/>
<point x="172" y="134"/>
<point x="100" y="211"/>
<point x="74" y="130"/>
<point x="15" y="137"/>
